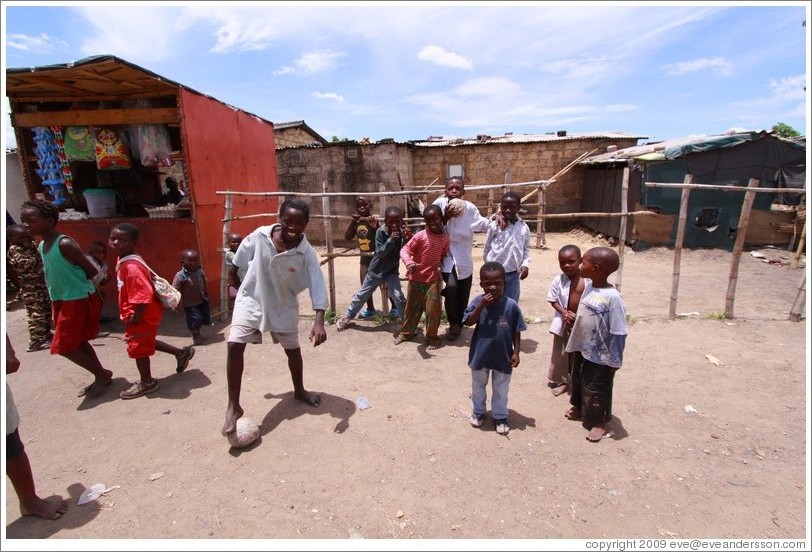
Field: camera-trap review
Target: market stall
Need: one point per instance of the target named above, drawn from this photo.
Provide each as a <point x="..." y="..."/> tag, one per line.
<point x="107" y="141"/>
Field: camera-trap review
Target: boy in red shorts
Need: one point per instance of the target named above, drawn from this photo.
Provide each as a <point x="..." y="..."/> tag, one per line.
<point x="75" y="305"/>
<point x="141" y="312"/>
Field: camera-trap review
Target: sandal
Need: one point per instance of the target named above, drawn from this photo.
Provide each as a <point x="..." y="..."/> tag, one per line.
<point x="139" y="389"/>
<point x="183" y="361"/>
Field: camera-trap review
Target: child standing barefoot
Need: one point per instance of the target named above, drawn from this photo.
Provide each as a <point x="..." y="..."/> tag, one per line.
<point x="18" y="467"/>
<point x="281" y="264"/>
<point x="564" y="295"/>
<point x="598" y="338"/>
<point x="141" y="312"/>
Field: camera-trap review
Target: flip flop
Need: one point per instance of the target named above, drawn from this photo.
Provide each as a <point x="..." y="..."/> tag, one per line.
<point x="608" y="434"/>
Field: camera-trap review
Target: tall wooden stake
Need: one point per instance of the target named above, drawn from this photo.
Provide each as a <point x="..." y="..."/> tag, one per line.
<point x="798" y="304"/>
<point x="683" y="214"/>
<point x="328" y="234"/>
<point x="624" y="209"/>
<point x="741" y="235"/>
<point x="229" y="205"/>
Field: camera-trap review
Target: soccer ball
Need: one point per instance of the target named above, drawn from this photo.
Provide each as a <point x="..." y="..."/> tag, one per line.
<point x="246" y="433"/>
<point x="457" y="205"/>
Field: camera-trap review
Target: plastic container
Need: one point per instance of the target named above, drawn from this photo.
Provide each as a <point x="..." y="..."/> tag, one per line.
<point x="101" y="202"/>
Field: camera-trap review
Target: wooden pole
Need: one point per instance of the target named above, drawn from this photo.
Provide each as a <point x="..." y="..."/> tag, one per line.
<point x="541" y="233"/>
<point x="683" y="214"/>
<point x="229" y="205"/>
<point x="384" y="294"/>
<point x="328" y="235"/>
<point x="741" y="235"/>
<point x="624" y="208"/>
<point x="798" y="304"/>
<point x="796" y="259"/>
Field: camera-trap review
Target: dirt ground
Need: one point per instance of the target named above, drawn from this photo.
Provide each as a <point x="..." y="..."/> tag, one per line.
<point x="700" y="450"/>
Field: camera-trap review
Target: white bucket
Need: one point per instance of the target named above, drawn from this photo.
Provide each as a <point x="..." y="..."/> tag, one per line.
<point x="101" y="203"/>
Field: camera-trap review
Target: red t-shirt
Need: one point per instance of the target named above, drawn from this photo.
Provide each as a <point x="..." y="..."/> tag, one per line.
<point x="135" y="288"/>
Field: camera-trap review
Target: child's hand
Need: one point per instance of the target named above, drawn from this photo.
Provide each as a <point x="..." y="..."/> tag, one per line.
<point x="411" y="268"/>
<point x="356" y="217"/>
<point x="407" y="233"/>
<point x="514" y="359"/>
<point x="318" y="334"/>
<point x="488" y="299"/>
<point x="523" y="272"/>
<point x="569" y="318"/>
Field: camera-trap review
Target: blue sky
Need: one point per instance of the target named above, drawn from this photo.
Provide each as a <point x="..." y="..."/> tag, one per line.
<point x="410" y="70"/>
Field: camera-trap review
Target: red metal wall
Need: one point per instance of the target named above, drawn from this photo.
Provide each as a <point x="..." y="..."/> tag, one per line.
<point x="225" y="149"/>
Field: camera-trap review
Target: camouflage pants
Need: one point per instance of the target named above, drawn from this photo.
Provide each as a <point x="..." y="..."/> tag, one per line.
<point x="38" y="305"/>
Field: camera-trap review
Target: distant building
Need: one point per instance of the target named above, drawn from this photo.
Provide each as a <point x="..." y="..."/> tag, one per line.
<point x="296" y="133"/>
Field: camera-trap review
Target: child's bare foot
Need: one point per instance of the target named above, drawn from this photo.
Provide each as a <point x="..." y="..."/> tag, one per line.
<point x="572" y="414"/>
<point x="597" y="433"/>
<point x="95" y="389"/>
<point x="47" y="509"/>
<point x="559" y="389"/>
<point x="400" y="338"/>
<point x="433" y="344"/>
<point x="306" y="396"/>
<point x="233" y="413"/>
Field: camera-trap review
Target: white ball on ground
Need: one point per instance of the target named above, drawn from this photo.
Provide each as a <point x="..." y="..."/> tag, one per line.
<point x="246" y="433"/>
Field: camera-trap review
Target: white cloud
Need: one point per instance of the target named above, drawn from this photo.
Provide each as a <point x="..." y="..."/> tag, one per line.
<point x="42" y="43"/>
<point x="139" y="34"/>
<point x="440" y="56"/>
<point x="310" y="63"/>
<point x="328" y="96"/>
<point x="717" y="65"/>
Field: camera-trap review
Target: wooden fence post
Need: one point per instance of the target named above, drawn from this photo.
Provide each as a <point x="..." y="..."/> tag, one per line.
<point x="624" y="209"/>
<point x="798" y="304"/>
<point x="328" y="236"/>
<point x="229" y="205"/>
<point x="741" y="235"/>
<point x="683" y="214"/>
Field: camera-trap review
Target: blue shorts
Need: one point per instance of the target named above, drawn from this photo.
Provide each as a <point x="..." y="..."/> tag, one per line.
<point x="197" y="316"/>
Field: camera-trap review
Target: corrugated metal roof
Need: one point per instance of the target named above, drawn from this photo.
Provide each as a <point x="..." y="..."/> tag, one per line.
<point x="677" y="147"/>
<point x="510" y="138"/>
<point x="101" y="77"/>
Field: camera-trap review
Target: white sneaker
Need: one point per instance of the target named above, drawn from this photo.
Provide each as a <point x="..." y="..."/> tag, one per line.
<point x="476" y="420"/>
<point x="342" y="323"/>
<point x="502" y="427"/>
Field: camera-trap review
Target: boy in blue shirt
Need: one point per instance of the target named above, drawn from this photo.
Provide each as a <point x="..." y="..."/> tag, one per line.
<point x="494" y="346"/>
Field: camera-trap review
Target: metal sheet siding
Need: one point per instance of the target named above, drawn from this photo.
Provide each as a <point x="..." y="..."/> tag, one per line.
<point x="225" y="149"/>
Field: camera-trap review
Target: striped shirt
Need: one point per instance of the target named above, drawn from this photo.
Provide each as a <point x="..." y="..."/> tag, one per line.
<point x="426" y="250"/>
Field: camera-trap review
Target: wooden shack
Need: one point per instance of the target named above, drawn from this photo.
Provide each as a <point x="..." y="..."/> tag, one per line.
<point x="214" y="146"/>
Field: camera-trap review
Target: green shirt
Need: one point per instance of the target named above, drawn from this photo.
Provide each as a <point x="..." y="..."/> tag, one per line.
<point x="65" y="280"/>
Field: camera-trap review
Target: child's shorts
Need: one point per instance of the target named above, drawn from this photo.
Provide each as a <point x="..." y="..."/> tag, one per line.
<point x="14" y="445"/>
<point x="140" y="339"/>
<point x="198" y="316"/>
<point x="247" y="334"/>
<point x="75" y="322"/>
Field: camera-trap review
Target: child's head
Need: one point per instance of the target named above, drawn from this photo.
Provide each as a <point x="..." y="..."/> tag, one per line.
<point x="190" y="259"/>
<point x="492" y="279"/>
<point x="16" y="235"/>
<point x="294" y="215"/>
<point x="97" y="250"/>
<point x="433" y="217"/>
<point x="39" y="216"/>
<point x="234" y="241"/>
<point x="569" y="259"/>
<point x="393" y="218"/>
<point x="598" y="263"/>
<point x="124" y="238"/>
<point x="509" y="205"/>
<point x="454" y="187"/>
<point x="362" y="206"/>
